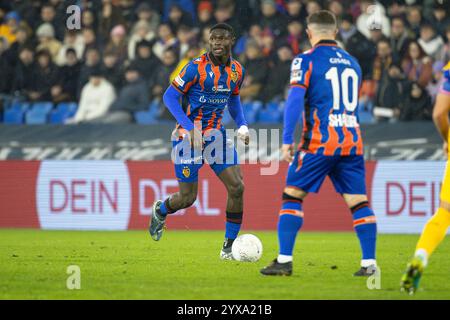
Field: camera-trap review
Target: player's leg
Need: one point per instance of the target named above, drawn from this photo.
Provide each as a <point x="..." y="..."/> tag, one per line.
<point x="184" y="198"/>
<point x="233" y="180"/>
<point x="187" y="174"/>
<point x="348" y="177"/>
<point x="432" y="235"/>
<point x="305" y="174"/>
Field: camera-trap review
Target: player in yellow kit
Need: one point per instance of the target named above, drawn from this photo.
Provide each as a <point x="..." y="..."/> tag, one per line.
<point x="436" y="228"/>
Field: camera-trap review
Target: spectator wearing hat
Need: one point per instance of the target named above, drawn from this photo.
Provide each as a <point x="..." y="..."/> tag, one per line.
<point x="430" y="41"/>
<point x="273" y="19"/>
<point x="205" y="14"/>
<point x="47" y="41"/>
<point x="279" y="74"/>
<point x="45" y="75"/>
<point x="187" y="5"/>
<point x="112" y="70"/>
<point x="417" y="66"/>
<point x="166" y="40"/>
<point x="177" y="18"/>
<point x="440" y="18"/>
<point x="69" y="74"/>
<point x="48" y="15"/>
<point x="96" y="98"/>
<point x="110" y="17"/>
<point x="132" y="97"/>
<point x="9" y="28"/>
<point x="357" y="44"/>
<point x="145" y="61"/>
<point x="141" y="32"/>
<point x="149" y="15"/>
<point x="117" y="43"/>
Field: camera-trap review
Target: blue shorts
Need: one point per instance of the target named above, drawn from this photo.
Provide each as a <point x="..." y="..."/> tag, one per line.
<point x="219" y="153"/>
<point x="308" y="171"/>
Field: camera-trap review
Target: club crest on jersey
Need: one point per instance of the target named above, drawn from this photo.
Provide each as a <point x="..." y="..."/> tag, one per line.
<point x="186" y="172"/>
<point x="234" y="76"/>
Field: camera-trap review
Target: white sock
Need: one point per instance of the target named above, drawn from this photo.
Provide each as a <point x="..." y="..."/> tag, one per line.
<point x="368" y="262"/>
<point x="283" y="258"/>
<point x="422" y="255"/>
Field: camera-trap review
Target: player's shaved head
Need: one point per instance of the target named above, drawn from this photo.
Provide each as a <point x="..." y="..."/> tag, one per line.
<point x="322" y="25"/>
<point x="322" y="22"/>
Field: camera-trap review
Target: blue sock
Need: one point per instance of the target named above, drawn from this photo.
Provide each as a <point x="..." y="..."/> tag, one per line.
<point x="289" y="223"/>
<point x="366" y="228"/>
<point x="233" y="225"/>
<point x="165" y="208"/>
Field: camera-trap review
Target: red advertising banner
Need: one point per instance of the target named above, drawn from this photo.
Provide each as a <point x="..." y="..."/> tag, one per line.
<point x="115" y="195"/>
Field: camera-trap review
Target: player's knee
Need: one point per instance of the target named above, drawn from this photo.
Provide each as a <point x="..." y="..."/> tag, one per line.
<point x="236" y="190"/>
<point x="354" y="200"/>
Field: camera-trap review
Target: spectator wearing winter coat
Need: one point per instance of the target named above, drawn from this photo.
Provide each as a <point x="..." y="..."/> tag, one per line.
<point x="417" y="66"/>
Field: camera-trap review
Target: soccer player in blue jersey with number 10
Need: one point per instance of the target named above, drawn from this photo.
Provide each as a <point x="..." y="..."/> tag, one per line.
<point x="209" y="83"/>
<point x="325" y="81"/>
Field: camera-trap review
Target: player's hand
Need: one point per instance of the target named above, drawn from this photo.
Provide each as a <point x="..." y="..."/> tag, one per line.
<point x="244" y="135"/>
<point x="287" y="152"/>
<point x="445" y="148"/>
<point x="196" y="139"/>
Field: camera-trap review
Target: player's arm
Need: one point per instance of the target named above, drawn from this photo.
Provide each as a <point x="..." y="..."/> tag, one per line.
<point x="237" y="113"/>
<point x="292" y="113"/>
<point x="301" y="69"/>
<point x="172" y="97"/>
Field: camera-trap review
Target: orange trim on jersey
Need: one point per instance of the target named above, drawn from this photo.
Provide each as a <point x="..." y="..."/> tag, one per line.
<point x="202" y="72"/>
<point x="348" y="143"/>
<point x="291" y="212"/>
<point x="308" y="74"/>
<point x="300" y="163"/>
<point x="332" y="144"/>
<point x="316" y="134"/>
<point x="188" y="111"/>
<point x="366" y="220"/>
<point x="219" y="122"/>
<point x="298" y="85"/>
<point x="216" y="76"/>
<point x="211" y="121"/>
<point x="190" y="83"/>
<point x="359" y="145"/>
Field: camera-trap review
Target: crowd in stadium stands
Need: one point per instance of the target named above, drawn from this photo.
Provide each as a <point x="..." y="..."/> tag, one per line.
<point x="118" y="64"/>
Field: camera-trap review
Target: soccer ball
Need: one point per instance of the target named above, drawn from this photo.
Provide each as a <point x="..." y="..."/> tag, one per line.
<point x="247" y="247"/>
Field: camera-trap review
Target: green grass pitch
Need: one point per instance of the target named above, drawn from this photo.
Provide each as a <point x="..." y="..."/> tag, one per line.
<point x="185" y="265"/>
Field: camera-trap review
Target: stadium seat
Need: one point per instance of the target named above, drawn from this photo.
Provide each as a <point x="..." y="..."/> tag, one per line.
<point x="14" y="114"/>
<point x="272" y="113"/>
<point x="63" y="111"/>
<point x="251" y="110"/>
<point x="38" y="113"/>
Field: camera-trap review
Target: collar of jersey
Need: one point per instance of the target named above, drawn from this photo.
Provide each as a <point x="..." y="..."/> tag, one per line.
<point x="326" y="43"/>
<point x="214" y="61"/>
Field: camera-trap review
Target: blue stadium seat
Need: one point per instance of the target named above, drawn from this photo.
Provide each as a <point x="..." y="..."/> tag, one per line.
<point x="63" y="111"/>
<point x="38" y="113"/>
<point x="14" y="114"/>
<point x="272" y="113"/>
<point x="251" y="110"/>
<point x="145" y="117"/>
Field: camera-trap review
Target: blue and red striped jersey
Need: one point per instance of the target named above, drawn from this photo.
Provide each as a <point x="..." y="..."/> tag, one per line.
<point x="331" y="78"/>
<point x="207" y="87"/>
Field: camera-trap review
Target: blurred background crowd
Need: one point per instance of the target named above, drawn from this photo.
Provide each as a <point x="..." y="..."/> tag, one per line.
<point x="117" y="65"/>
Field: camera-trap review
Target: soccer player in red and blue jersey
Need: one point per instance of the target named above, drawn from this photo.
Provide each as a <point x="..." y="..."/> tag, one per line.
<point x="209" y="83"/>
<point x="325" y="82"/>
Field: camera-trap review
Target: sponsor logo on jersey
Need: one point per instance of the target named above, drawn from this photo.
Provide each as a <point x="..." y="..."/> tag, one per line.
<point x="220" y="88"/>
<point x="203" y="99"/>
<point x="297" y="64"/>
<point x="340" y="61"/>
